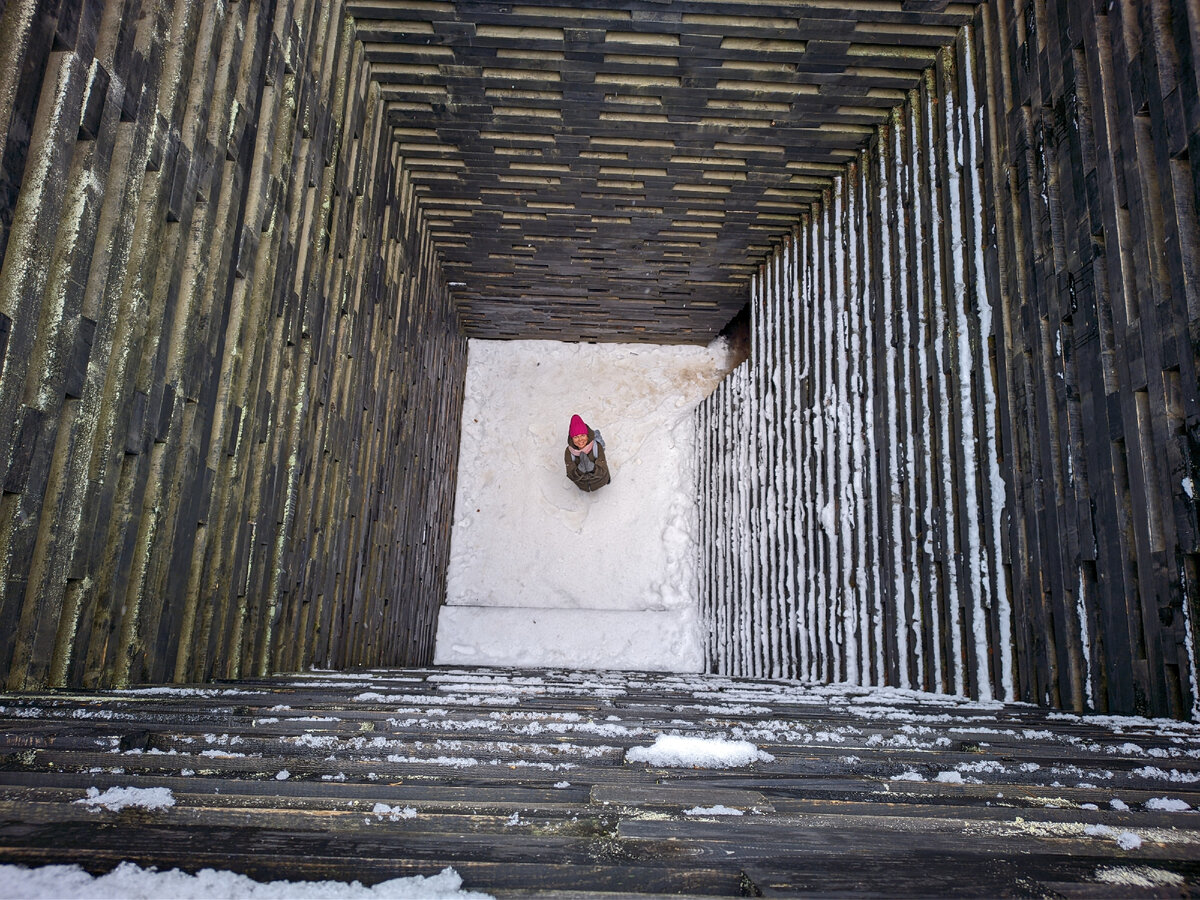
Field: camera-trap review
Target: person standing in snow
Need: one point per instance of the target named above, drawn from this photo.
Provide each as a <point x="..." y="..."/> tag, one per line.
<point x="586" y="465"/>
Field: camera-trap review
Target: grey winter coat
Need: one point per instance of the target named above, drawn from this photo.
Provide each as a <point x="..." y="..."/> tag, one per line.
<point x="589" y="471"/>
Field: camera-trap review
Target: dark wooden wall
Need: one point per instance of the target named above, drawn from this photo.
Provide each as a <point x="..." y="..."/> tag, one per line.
<point x="969" y="430"/>
<point x="1094" y="117"/>
<point x="231" y="378"/>
<point x="613" y="170"/>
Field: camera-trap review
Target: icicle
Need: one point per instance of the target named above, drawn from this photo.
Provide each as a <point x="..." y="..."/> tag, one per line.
<point x="732" y="627"/>
<point x="704" y="484"/>
<point x="1085" y="639"/>
<point x="803" y="517"/>
<point x="808" y="480"/>
<point x="762" y="407"/>
<point x="955" y="300"/>
<point x="757" y="485"/>
<point x="857" y="646"/>
<point x="723" y="514"/>
<point x="845" y="660"/>
<point x="828" y="413"/>
<point x="745" y="494"/>
<point x="1193" y="676"/>
<point x="775" y="519"/>
<point x="874" y="528"/>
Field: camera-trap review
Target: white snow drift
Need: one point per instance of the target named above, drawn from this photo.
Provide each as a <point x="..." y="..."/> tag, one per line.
<point x="129" y="881"/>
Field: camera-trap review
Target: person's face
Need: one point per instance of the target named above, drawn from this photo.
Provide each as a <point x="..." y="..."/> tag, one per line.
<point x="579" y="440"/>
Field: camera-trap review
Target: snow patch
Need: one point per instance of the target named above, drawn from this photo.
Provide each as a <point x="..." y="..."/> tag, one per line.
<point x="1174" y="775"/>
<point x="131" y="881"/>
<point x="701" y="753"/>
<point x="394" y="813"/>
<point x="1138" y="876"/>
<point x="1168" y="804"/>
<point x="717" y="810"/>
<point x="1126" y="840"/>
<point x="118" y="798"/>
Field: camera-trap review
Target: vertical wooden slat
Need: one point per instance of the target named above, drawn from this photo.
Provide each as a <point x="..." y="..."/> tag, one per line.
<point x="789" y="348"/>
<point x="892" y="492"/>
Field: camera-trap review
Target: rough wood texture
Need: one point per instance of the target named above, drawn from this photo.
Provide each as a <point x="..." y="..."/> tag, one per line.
<point x="230" y="371"/>
<point x="229" y="356"/>
<point x="519" y="781"/>
<point x="858" y="538"/>
<point x="613" y="170"/>
<point x="994" y="305"/>
<point x="1092" y="121"/>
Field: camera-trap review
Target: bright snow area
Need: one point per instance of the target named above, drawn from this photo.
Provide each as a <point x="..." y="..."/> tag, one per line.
<point x="131" y="882"/>
<point x="544" y="574"/>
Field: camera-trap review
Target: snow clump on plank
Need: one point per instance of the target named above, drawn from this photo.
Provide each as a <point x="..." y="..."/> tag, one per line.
<point x="120" y="797"/>
<point x="1168" y="804"/>
<point x="394" y="813"/>
<point x="1126" y="840"/>
<point x="699" y="753"/>
<point x="1174" y="775"/>
<point x="718" y="810"/>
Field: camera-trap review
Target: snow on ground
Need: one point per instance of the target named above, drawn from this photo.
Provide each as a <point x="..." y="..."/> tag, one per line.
<point x="544" y="574"/>
<point x="131" y="882"/>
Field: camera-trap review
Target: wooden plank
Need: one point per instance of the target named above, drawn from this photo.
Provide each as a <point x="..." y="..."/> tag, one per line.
<point x="822" y="816"/>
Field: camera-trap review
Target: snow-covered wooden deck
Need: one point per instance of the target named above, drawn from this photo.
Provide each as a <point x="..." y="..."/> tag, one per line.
<point x="519" y="781"/>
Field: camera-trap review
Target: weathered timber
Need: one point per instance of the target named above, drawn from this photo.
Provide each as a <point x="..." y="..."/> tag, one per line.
<point x="1094" y="232"/>
<point x="237" y="245"/>
<point x="519" y="781"/>
<point x="174" y="228"/>
<point x="994" y="383"/>
<point x="547" y="143"/>
<point x="868" y="402"/>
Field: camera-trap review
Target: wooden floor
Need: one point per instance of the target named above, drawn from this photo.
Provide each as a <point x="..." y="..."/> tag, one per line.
<point x="518" y="780"/>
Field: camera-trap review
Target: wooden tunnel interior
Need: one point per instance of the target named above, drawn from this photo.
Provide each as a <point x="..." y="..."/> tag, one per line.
<point x="243" y="246"/>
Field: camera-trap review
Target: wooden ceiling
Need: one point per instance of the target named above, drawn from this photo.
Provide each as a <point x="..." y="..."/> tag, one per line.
<point x="617" y="172"/>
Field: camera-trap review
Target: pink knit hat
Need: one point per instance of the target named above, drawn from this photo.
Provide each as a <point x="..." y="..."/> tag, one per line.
<point x="577" y="426"/>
